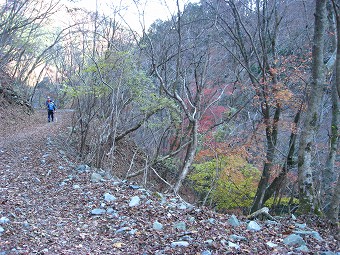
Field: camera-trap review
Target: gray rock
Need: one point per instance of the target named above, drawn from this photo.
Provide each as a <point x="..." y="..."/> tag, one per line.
<point x="109" y="198"/>
<point x="303" y="248"/>
<point x="206" y="253"/>
<point x="182" y="206"/>
<point x="4" y="220"/>
<point x="234" y="221"/>
<point x="294" y="240"/>
<point x="76" y="186"/>
<point x="133" y="231"/>
<point x="135" y="201"/>
<point x="186" y="238"/>
<point x="122" y="230"/>
<point x="98" y="211"/>
<point x="191" y="219"/>
<point x="212" y="221"/>
<point x="60" y="167"/>
<point x="95" y="177"/>
<point x="301" y="226"/>
<point x="271" y="245"/>
<point x="314" y="234"/>
<point x="157" y="226"/>
<point x="293" y="217"/>
<point x="2" y="229"/>
<point x="180" y="225"/>
<point x="134" y="187"/>
<point x="253" y="226"/>
<point x="179" y="244"/>
<point x="233" y="245"/>
<point x="209" y="242"/>
<point x="26" y="224"/>
<point x="329" y="253"/>
<point x="110" y="210"/>
<point x="82" y="168"/>
<point x="237" y="238"/>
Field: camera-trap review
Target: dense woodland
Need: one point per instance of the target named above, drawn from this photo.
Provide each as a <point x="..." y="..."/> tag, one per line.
<point x="236" y="101"/>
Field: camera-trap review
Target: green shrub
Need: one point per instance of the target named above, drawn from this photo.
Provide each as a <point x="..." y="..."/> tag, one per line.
<point x="227" y="182"/>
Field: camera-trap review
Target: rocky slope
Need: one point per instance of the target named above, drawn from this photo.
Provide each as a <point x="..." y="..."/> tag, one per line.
<point x="52" y="204"/>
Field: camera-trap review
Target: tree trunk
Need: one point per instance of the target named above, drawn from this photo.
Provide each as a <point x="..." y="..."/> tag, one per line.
<point x="276" y="184"/>
<point x="271" y="136"/>
<point x="328" y="174"/>
<point x="306" y="187"/>
<point x="190" y="156"/>
<point x="333" y="212"/>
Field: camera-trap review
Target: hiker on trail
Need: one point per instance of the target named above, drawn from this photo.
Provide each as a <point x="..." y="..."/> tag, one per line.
<point x="50" y="109"/>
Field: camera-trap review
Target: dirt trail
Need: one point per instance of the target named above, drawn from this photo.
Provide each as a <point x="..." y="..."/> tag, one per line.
<point x="34" y="127"/>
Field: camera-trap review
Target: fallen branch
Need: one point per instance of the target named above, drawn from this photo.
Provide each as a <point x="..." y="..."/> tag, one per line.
<point x="264" y="212"/>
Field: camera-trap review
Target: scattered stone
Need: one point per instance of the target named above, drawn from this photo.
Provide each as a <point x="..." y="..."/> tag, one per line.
<point x="82" y="168"/>
<point x="61" y="168"/>
<point x="271" y="245"/>
<point x="109" y="198"/>
<point x="135" y="201"/>
<point x="122" y="230"/>
<point x="76" y="186"/>
<point x="314" y="234"/>
<point x="209" y="242"/>
<point x="1" y="229"/>
<point x="182" y="206"/>
<point x="301" y="226"/>
<point x="233" y="245"/>
<point x="212" y="221"/>
<point x="303" y="248"/>
<point x="4" y="220"/>
<point x="110" y="210"/>
<point x="233" y="221"/>
<point x="98" y="211"/>
<point x="157" y="226"/>
<point x="134" y="186"/>
<point x="133" y="231"/>
<point x="237" y="238"/>
<point x="95" y="177"/>
<point x="179" y="244"/>
<point x="191" y="219"/>
<point x="186" y="238"/>
<point x="293" y="217"/>
<point x="26" y="224"/>
<point x="206" y="253"/>
<point x="180" y="225"/>
<point x="294" y="240"/>
<point x="253" y="226"/>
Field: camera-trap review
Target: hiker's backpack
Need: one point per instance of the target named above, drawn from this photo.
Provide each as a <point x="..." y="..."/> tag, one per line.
<point x="50" y="106"/>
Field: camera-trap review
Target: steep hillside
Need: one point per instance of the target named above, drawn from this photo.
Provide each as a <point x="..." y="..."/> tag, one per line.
<point x="52" y="204"/>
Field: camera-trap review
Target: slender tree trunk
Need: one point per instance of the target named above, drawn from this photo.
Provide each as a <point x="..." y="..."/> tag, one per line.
<point x="276" y="184"/>
<point x="190" y="156"/>
<point x="310" y="127"/>
<point x="271" y="136"/>
<point x="328" y="174"/>
<point x="333" y="212"/>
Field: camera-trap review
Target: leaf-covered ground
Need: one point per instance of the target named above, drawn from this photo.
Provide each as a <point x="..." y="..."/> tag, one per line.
<point x="48" y="202"/>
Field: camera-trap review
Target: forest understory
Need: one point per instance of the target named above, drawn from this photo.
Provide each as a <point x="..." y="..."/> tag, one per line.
<point x="50" y="205"/>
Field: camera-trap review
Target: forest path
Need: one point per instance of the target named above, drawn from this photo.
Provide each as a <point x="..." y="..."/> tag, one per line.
<point x="33" y="166"/>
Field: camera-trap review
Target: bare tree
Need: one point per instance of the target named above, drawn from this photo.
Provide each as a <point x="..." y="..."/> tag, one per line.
<point x="306" y="188"/>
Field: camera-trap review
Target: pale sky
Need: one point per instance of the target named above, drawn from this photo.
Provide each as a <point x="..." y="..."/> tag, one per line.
<point x="153" y="9"/>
